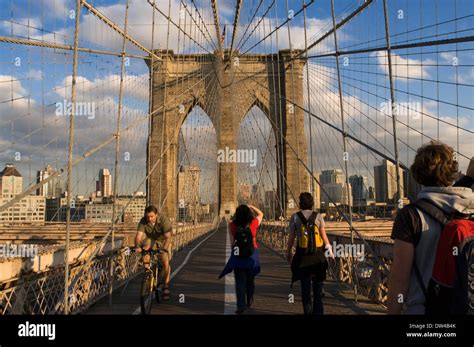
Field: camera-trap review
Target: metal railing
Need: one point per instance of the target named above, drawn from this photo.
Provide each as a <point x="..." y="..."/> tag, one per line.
<point x="42" y="293"/>
<point x="365" y="273"/>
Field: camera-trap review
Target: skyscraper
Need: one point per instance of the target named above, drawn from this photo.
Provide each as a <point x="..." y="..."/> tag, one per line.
<point x="11" y="182"/>
<point x="29" y="208"/>
<point x="53" y="187"/>
<point x="360" y="192"/>
<point x="411" y="187"/>
<point x="371" y="193"/>
<point x="332" y="176"/>
<point x="333" y="183"/>
<point x="338" y="193"/>
<point x="98" y="189"/>
<point x="386" y="182"/>
<point x="105" y="182"/>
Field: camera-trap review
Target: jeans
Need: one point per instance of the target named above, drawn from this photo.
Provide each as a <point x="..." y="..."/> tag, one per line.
<point x="244" y="287"/>
<point x="314" y="306"/>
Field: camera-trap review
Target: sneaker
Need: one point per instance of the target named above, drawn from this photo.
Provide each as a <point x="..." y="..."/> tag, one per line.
<point x="240" y="311"/>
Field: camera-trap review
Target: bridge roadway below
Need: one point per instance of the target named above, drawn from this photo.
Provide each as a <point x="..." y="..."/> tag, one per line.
<point x="196" y="289"/>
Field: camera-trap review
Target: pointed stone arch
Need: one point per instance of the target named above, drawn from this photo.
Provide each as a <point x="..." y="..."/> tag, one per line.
<point x="267" y="147"/>
<point x="273" y="82"/>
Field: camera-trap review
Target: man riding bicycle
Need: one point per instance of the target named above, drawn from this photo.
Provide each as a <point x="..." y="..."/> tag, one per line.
<point x="154" y="231"/>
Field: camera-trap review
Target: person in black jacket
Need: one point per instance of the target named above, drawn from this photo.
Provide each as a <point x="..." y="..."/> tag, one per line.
<point x="310" y="270"/>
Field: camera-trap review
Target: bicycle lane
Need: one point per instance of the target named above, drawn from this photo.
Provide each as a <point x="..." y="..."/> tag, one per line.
<point x="195" y="287"/>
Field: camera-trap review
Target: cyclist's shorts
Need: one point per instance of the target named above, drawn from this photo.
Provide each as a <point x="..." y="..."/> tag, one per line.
<point x="154" y="244"/>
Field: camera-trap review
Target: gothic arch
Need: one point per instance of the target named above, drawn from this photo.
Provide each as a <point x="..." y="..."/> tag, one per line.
<point x="259" y="80"/>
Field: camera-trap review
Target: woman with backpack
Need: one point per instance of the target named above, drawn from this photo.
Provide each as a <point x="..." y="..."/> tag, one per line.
<point x="429" y="235"/>
<point x="309" y="264"/>
<point x="244" y="260"/>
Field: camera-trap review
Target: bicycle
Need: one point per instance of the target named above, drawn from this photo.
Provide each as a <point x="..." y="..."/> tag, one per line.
<point x="153" y="282"/>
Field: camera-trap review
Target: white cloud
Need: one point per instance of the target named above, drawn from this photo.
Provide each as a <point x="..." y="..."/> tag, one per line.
<point x="462" y="77"/>
<point x="94" y="31"/>
<point x="140" y="25"/>
<point x="37" y="132"/>
<point x="32" y="28"/>
<point x="404" y="68"/>
<point x="10" y="88"/>
<point x="227" y="10"/>
<point x="134" y="87"/>
<point x="466" y="78"/>
<point x="314" y="26"/>
<point x="59" y="36"/>
<point x="368" y="123"/>
<point x="35" y="74"/>
<point x="447" y="57"/>
<point x="104" y="90"/>
<point x="58" y="8"/>
<point x="22" y="27"/>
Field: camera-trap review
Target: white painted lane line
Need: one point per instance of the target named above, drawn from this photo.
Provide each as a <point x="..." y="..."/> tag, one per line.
<point x="230" y="296"/>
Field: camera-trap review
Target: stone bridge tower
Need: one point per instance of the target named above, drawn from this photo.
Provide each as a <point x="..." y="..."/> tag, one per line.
<point x="226" y="88"/>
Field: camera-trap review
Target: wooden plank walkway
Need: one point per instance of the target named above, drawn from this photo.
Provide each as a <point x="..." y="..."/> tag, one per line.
<point x="197" y="282"/>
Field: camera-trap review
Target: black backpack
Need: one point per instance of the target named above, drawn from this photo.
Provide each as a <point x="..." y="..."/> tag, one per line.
<point x="243" y="244"/>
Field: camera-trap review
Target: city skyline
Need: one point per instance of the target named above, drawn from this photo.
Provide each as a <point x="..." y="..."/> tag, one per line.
<point x="324" y="176"/>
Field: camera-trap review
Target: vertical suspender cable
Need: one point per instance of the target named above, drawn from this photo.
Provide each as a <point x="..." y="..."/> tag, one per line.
<point x="393" y="103"/>
<point x="117" y="148"/>
<point x="69" y="166"/>
<point x="344" y="135"/>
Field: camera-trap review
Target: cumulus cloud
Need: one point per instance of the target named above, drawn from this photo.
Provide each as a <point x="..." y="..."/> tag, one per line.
<point x="404" y="68"/>
<point x="23" y="27"/>
<point x="464" y="76"/>
<point x="265" y="26"/>
<point x="58" y="8"/>
<point x="10" y="88"/>
<point x="134" y="87"/>
<point x="24" y="116"/>
<point x="370" y="122"/>
<point x="140" y="25"/>
<point x="40" y="136"/>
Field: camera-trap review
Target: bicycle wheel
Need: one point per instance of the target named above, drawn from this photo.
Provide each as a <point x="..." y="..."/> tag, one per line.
<point x="160" y="285"/>
<point x="146" y="292"/>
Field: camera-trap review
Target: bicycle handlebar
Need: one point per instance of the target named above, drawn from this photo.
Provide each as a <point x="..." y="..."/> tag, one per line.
<point x="129" y="250"/>
<point x="150" y="251"/>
